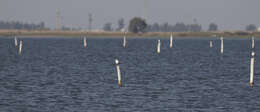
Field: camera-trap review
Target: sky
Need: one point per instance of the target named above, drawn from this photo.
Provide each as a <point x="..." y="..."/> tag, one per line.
<point x="228" y="14"/>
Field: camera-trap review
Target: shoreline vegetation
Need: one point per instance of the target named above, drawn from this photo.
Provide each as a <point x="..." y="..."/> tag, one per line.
<point x="57" y="33"/>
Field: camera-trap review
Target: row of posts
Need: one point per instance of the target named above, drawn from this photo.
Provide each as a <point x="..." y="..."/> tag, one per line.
<point x="159" y="50"/>
<point x="210" y="44"/>
<point x="252" y="61"/>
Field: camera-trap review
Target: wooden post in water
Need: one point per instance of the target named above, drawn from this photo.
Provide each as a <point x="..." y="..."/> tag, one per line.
<point x="252" y="69"/>
<point x="124" y="42"/>
<point x="253" y="42"/>
<point x="159" y="47"/>
<point x="118" y="73"/>
<point x="210" y="44"/>
<point x="85" y="42"/>
<point x="171" y="38"/>
<point x="15" y="41"/>
<point x="20" y="47"/>
<point x="222" y="45"/>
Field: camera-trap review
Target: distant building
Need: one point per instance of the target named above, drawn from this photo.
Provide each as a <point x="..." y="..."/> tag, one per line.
<point x="258" y="29"/>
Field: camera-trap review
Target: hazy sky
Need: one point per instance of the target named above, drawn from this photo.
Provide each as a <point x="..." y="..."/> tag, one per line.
<point x="228" y="14"/>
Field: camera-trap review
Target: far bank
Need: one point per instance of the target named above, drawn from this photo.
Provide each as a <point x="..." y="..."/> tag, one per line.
<point x="55" y="33"/>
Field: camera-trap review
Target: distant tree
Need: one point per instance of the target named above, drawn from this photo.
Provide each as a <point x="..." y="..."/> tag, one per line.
<point x="251" y="27"/>
<point x="42" y="25"/>
<point x="64" y="28"/>
<point x="165" y="27"/>
<point x="213" y="27"/>
<point x="107" y="27"/>
<point x="121" y="24"/>
<point x="137" y="25"/>
<point x="155" y="27"/>
<point x="194" y="27"/>
<point x="149" y="28"/>
<point x="180" y="27"/>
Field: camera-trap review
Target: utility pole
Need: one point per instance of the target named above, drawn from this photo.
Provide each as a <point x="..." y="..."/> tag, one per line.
<point x="145" y="10"/>
<point x="90" y="22"/>
<point x="58" y="20"/>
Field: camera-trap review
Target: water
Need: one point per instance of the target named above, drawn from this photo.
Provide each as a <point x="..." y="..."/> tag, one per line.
<point x="60" y="75"/>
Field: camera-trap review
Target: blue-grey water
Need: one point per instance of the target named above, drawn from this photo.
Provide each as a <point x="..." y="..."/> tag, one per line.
<point x="60" y="75"/>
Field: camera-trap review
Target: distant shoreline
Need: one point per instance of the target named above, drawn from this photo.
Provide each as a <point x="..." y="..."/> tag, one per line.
<point x="54" y="33"/>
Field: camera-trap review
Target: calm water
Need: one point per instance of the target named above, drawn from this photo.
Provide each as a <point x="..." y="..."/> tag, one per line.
<point x="59" y="75"/>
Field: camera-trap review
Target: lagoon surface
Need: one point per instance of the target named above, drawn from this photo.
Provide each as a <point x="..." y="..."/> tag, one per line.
<point x="60" y="75"/>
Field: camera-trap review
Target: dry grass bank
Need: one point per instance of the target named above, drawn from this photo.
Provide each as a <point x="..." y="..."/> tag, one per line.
<point x="53" y="33"/>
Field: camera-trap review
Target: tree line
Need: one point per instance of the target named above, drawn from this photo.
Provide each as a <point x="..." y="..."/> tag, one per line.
<point x="121" y="25"/>
<point x="137" y="25"/>
<point x="178" y="27"/>
<point x="20" y="25"/>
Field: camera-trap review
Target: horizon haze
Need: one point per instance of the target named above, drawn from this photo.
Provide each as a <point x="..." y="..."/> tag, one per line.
<point x="227" y="14"/>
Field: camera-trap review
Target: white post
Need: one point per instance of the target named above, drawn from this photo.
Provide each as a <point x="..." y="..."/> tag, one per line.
<point x="124" y="42"/>
<point x="159" y="47"/>
<point x="222" y="45"/>
<point x="118" y="72"/>
<point x="252" y="69"/>
<point x="210" y="44"/>
<point x="171" y="38"/>
<point x="15" y="41"/>
<point x="20" y="47"/>
<point x="253" y="42"/>
<point x="85" y="42"/>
